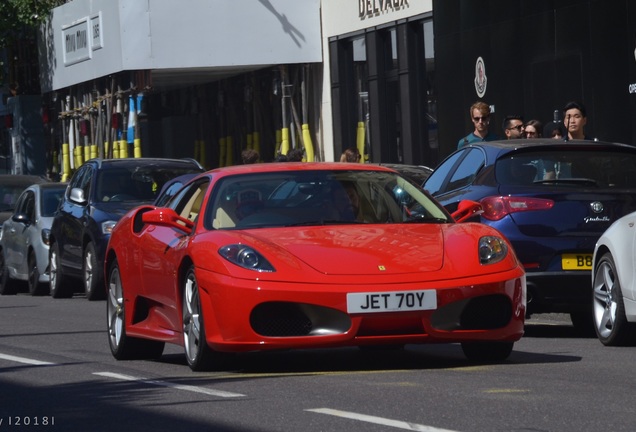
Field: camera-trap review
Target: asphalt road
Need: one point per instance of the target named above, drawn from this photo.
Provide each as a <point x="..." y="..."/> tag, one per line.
<point x="56" y="371"/>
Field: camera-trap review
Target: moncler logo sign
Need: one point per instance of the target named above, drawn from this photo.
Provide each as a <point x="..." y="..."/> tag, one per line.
<point x="480" y="77"/>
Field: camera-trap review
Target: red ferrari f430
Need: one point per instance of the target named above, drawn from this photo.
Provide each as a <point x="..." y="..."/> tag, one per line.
<point x="308" y="255"/>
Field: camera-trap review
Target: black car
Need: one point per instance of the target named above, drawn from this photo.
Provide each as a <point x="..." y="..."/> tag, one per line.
<point x="552" y="199"/>
<point x="417" y="173"/>
<point x="98" y="195"/>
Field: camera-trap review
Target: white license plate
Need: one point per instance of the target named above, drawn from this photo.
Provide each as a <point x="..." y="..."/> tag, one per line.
<point x="394" y="301"/>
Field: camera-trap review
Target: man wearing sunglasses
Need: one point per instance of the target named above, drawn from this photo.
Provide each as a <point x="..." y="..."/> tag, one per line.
<point x="513" y="127"/>
<point x="480" y="116"/>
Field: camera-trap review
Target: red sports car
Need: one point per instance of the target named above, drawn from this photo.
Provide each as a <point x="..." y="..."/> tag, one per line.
<point x="308" y="255"/>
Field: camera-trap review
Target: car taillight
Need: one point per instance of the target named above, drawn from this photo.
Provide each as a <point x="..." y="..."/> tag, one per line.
<point x="496" y="208"/>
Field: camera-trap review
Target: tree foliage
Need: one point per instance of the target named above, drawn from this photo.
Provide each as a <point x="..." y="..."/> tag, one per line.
<point x="18" y="16"/>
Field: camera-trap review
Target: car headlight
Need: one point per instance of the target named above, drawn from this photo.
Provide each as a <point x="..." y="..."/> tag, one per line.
<point x="46" y="235"/>
<point x="246" y="257"/>
<point x="492" y="249"/>
<point x="107" y="227"/>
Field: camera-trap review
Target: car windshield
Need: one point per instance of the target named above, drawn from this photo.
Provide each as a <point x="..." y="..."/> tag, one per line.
<point x="135" y="183"/>
<point x="577" y="167"/>
<point x="319" y="198"/>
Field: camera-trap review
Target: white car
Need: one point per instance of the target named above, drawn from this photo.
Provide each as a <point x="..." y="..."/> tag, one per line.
<point x="24" y="239"/>
<point x="614" y="283"/>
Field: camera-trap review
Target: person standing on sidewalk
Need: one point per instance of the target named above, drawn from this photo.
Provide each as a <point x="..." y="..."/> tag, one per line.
<point x="480" y="116"/>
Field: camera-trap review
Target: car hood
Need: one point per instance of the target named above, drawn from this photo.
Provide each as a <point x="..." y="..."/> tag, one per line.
<point x="117" y="209"/>
<point x="356" y="250"/>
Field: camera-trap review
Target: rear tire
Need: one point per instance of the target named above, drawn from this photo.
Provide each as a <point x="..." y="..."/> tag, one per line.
<point x="36" y="288"/>
<point x="121" y="345"/>
<point x="490" y="352"/>
<point x="8" y="286"/>
<point x="93" y="275"/>
<point x="610" y="322"/>
<point x="59" y="283"/>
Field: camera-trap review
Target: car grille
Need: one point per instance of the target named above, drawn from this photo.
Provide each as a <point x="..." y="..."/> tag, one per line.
<point x="284" y="319"/>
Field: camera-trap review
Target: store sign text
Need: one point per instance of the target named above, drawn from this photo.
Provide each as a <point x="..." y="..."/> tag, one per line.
<point x="369" y="8"/>
<point x="76" y="42"/>
<point x="81" y="38"/>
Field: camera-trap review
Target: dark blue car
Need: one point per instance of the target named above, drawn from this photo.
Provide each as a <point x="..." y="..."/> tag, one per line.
<point x="100" y="192"/>
<point x="552" y="199"/>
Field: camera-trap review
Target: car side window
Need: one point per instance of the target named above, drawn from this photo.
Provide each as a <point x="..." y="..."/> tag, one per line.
<point x="189" y="201"/>
<point x="467" y="170"/>
<point x="28" y="207"/>
<point x="81" y="179"/>
<point x="434" y="184"/>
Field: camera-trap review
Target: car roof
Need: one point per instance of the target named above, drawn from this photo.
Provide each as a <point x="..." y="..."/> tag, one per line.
<point x="516" y="144"/>
<point x="21" y="180"/>
<point x="133" y="162"/>
<point x="296" y="166"/>
<point x="50" y="185"/>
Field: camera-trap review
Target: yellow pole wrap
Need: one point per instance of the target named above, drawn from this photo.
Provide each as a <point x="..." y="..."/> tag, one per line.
<point x="279" y="138"/>
<point x="222" y="151"/>
<point x="66" y="163"/>
<point x="360" y="141"/>
<point x="87" y="152"/>
<point x="250" y="141"/>
<point x="94" y="151"/>
<point x="309" y="146"/>
<point x="284" y="144"/>
<point x="116" y="149"/>
<point x="123" y="149"/>
<point x="137" y="147"/>
<point x="77" y="156"/>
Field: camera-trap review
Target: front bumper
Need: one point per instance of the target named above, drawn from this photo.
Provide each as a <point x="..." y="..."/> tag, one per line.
<point x="246" y="315"/>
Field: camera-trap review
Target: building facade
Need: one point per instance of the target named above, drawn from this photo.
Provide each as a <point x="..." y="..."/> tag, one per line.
<point x="394" y="78"/>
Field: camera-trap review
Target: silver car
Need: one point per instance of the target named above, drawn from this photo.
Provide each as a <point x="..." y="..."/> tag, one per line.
<point x="24" y="239"/>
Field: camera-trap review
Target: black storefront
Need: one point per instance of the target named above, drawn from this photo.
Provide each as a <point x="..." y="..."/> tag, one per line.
<point x="412" y="81"/>
<point x="538" y="55"/>
<point x="383" y="77"/>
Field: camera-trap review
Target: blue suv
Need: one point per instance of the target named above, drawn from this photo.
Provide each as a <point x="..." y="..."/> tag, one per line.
<point x="100" y="192"/>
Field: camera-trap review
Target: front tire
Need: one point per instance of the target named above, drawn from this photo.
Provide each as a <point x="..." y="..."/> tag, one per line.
<point x="8" y="286"/>
<point x="93" y="275"/>
<point x="36" y="288"/>
<point x="121" y="345"/>
<point x="199" y="355"/>
<point x="610" y="322"/>
<point x="59" y="283"/>
<point x="490" y="352"/>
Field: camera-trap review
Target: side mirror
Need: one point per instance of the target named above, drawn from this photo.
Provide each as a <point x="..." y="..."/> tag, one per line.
<point x="466" y="210"/>
<point x="21" y="218"/>
<point x="167" y="217"/>
<point x="77" y="196"/>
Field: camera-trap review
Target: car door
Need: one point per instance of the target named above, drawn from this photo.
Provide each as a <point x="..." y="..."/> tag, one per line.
<point x="14" y="231"/>
<point x="452" y="181"/>
<point x="73" y="219"/>
<point x="22" y="240"/>
<point x="163" y="249"/>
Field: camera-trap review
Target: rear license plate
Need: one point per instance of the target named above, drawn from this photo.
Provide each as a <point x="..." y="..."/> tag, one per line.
<point x="391" y="301"/>
<point x="576" y="261"/>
